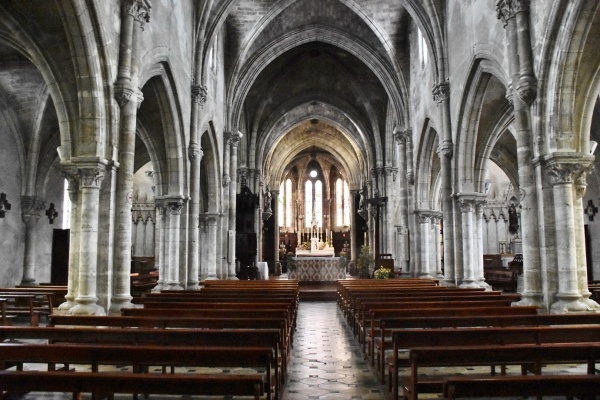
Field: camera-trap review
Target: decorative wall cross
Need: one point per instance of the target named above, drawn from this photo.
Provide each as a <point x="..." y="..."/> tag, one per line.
<point x="51" y="213"/>
<point x="591" y="210"/>
<point x="4" y="205"/>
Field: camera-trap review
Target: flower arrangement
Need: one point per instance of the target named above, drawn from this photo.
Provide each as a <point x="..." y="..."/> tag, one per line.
<point x="383" y="273"/>
<point x="364" y="262"/>
<point x="306" y="246"/>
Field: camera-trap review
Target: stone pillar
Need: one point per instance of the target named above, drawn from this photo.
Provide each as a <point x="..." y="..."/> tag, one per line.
<point x="30" y="214"/>
<point x="159" y="235"/>
<point x="479" y="206"/>
<point x="521" y="95"/>
<point x="134" y="15"/>
<point x="174" y="207"/>
<point x="582" y="276"/>
<point x="562" y="174"/>
<point x="436" y="218"/>
<point x="234" y="141"/>
<point x="275" y="210"/>
<point x="199" y="97"/>
<point x="403" y="241"/>
<point x="425" y="222"/>
<point x="467" y="204"/>
<point x="441" y="95"/>
<point x="90" y="178"/>
<point x="70" y="174"/>
<point x="210" y="221"/>
<point x="353" y="250"/>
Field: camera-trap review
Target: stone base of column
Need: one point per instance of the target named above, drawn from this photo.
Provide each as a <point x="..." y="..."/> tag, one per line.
<point x="86" y="309"/>
<point x="193" y="285"/>
<point x="585" y="299"/>
<point x="426" y="276"/>
<point x="482" y="283"/>
<point x="117" y="303"/>
<point x="469" y="285"/>
<point x="212" y="278"/>
<point x="66" y="306"/>
<point x="29" y="282"/>
<point x="172" y="286"/>
<point x="158" y="288"/>
<point x="531" y="299"/>
<point x="232" y="278"/>
<point x="568" y="303"/>
<point x="448" y="282"/>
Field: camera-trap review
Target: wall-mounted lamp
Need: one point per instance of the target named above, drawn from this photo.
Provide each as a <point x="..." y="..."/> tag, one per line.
<point x="4" y="205"/>
<point x="51" y="213"/>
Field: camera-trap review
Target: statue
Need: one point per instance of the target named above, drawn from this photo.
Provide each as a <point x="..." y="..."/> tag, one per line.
<point x="268" y="197"/>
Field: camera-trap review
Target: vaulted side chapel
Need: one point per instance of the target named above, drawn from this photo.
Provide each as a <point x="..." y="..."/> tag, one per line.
<point x="209" y="139"/>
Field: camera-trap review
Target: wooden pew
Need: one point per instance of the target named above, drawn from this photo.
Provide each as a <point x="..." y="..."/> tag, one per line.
<point x="3" y="315"/>
<point x="176" y="384"/>
<point x="388" y="325"/>
<point x="29" y="304"/>
<point x="432" y="358"/>
<point x="445" y="337"/>
<point x="570" y="386"/>
<point x="154" y="337"/>
<point x="459" y="310"/>
<point x="140" y="357"/>
<point x="58" y="292"/>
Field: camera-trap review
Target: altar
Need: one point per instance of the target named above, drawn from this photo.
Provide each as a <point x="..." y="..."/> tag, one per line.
<point x="317" y="269"/>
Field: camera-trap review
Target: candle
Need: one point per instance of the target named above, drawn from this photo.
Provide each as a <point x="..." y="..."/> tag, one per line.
<point x="365" y="238"/>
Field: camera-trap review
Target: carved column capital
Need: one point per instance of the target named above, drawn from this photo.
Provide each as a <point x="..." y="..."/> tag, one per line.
<point x="445" y="149"/>
<point x="199" y="94"/>
<point x="91" y="176"/>
<point x="140" y="9"/>
<point x="505" y="11"/>
<point x="234" y="139"/>
<point x="423" y="216"/>
<point x="567" y="169"/>
<point x="30" y="209"/>
<point x="441" y="92"/>
<point x="125" y="94"/>
<point x="195" y="151"/>
<point x="402" y="137"/>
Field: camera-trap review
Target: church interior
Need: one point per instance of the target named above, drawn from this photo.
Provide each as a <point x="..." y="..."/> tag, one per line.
<point x="152" y="146"/>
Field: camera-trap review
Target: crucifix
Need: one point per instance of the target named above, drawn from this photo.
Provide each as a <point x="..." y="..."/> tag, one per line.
<point x="376" y="201"/>
<point x="51" y="213"/>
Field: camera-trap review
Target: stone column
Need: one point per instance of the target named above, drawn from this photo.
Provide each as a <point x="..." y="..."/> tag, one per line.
<point x="521" y="95"/>
<point x="234" y="141"/>
<point x="275" y="210"/>
<point x="425" y="222"/>
<point x="441" y="95"/>
<point x="403" y="241"/>
<point x="174" y="207"/>
<point x="467" y="204"/>
<point x="562" y="174"/>
<point x="159" y="235"/>
<point x="582" y="276"/>
<point x="72" y="177"/>
<point x="210" y="220"/>
<point x="353" y="250"/>
<point x="134" y="15"/>
<point x="199" y="97"/>
<point x="436" y="218"/>
<point x="30" y="214"/>
<point x="479" y="206"/>
<point x="90" y="178"/>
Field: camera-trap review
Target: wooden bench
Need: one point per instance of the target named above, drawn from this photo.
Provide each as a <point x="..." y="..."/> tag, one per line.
<point x="448" y="337"/>
<point x="176" y="384"/>
<point x="58" y="292"/>
<point x="570" y="386"/>
<point x="140" y="357"/>
<point x="375" y="317"/>
<point x="30" y="304"/>
<point x="142" y="283"/>
<point x="387" y="325"/>
<point x="527" y="356"/>
<point x="155" y="337"/>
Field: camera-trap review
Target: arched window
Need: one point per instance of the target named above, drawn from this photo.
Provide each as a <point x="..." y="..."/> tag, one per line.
<point x="422" y="44"/>
<point x="284" y="204"/>
<point x="319" y="203"/>
<point x="342" y="203"/>
<point x="308" y="202"/>
<point x="288" y="202"/>
<point x="281" y="205"/>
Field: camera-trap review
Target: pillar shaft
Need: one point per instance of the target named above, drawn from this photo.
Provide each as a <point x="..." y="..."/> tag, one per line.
<point x="425" y="226"/>
<point x="160" y="257"/>
<point x="211" y="220"/>
<point x="468" y="243"/>
<point x="89" y="191"/>
<point x="234" y="142"/>
<point x="402" y="233"/>
<point x="30" y="214"/>
<point x="70" y="173"/>
<point x="174" y="208"/>
<point x="582" y="275"/>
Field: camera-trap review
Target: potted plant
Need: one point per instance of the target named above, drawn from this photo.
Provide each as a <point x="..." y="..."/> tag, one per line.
<point x="383" y="273"/>
<point x="364" y="262"/>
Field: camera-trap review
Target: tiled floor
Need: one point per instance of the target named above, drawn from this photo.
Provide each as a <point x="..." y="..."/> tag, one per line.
<point x="327" y="362"/>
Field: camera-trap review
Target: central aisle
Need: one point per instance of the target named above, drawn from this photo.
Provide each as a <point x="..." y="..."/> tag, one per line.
<point x="326" y="361"/>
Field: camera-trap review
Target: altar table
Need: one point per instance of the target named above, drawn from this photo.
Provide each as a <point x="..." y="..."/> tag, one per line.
<point x="317" y="269"/>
